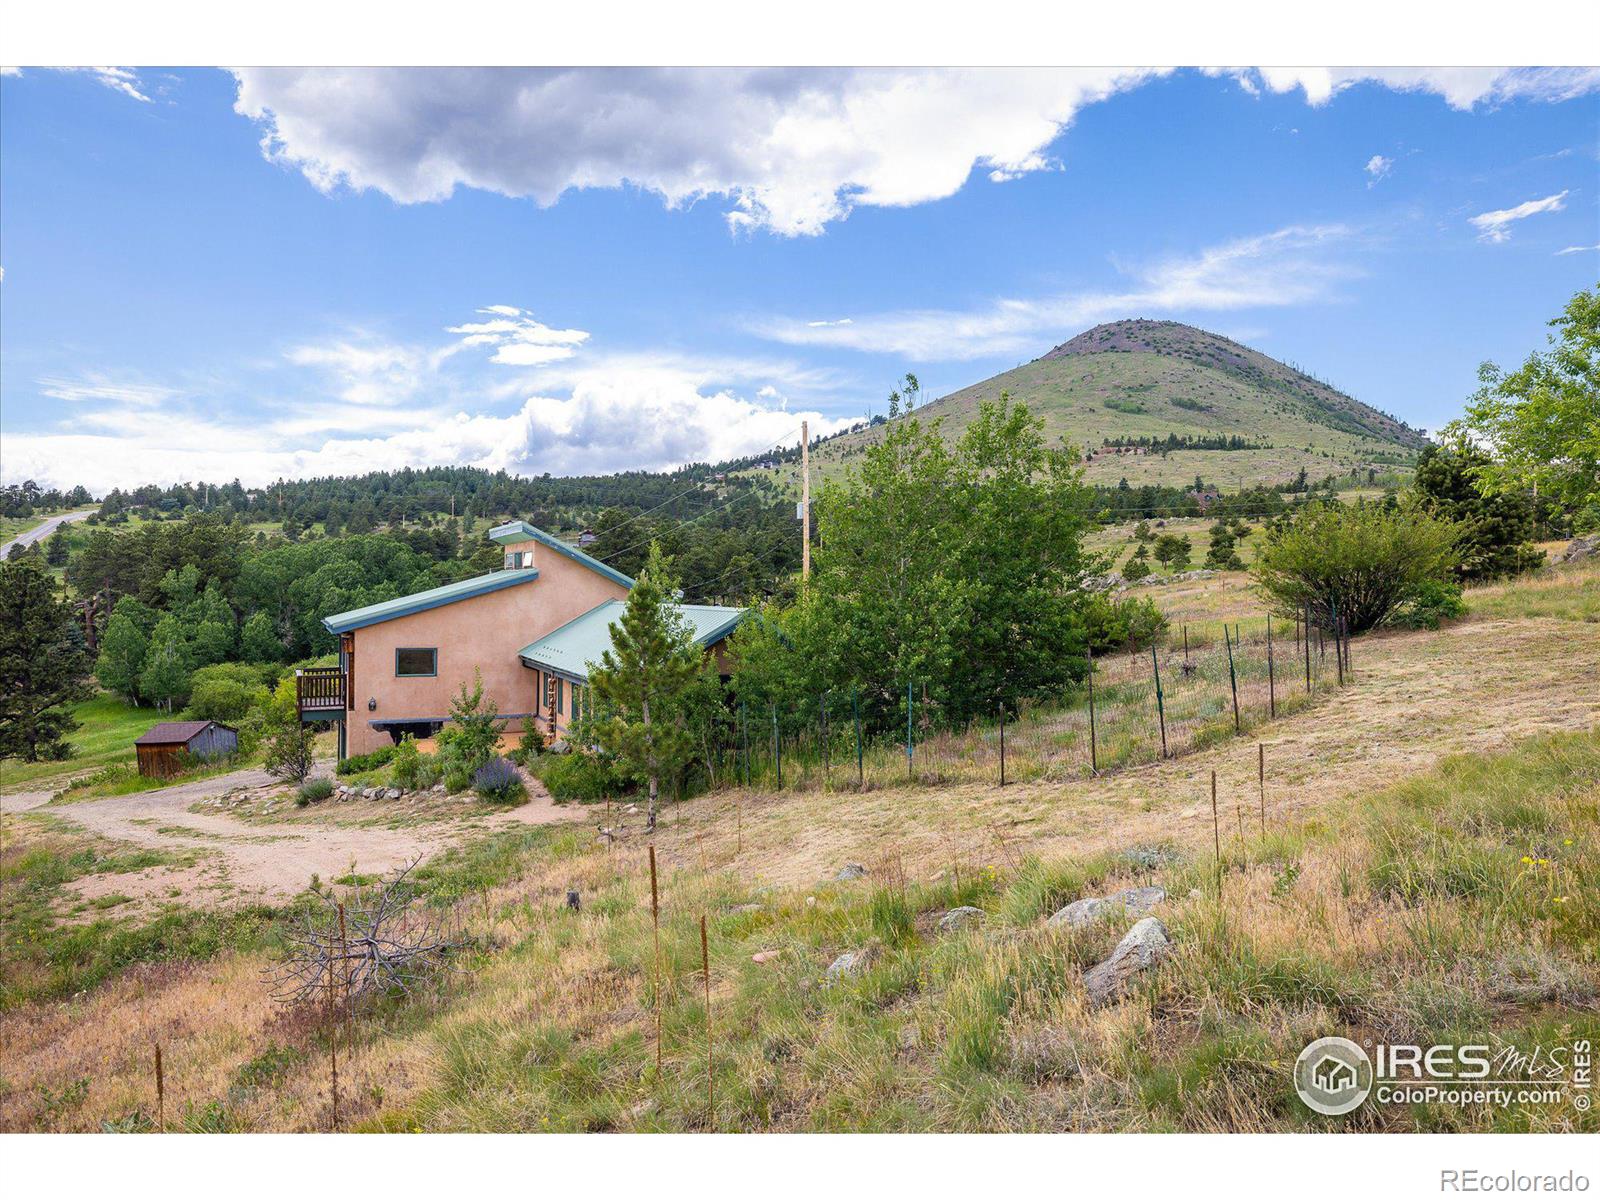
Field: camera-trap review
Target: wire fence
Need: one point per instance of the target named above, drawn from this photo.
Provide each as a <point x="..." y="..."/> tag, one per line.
<point x="1210" y="684"/>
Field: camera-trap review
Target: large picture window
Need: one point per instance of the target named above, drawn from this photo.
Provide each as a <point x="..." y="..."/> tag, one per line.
<point x="416" y="661"/>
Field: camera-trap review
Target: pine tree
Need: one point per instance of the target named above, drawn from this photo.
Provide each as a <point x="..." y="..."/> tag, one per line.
<point x="43" y="664"/>
<point x="642" y="683"/>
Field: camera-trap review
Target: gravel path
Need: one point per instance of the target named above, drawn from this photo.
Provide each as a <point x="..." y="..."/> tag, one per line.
<point x="251" y="861"/>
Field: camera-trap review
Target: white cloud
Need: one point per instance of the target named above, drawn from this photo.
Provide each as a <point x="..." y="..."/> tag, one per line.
<point x="612" y="419"/>
<point x="1377" y="167"/>
<point x="365" y="371"/>
<point x="415" y="405"/>
<point x="1461" y="87"/>
<point x="1495" y="226"/>
<point x="119" y="79"/>
<point x="1285" y="267"/>
<point x="519" y="340"/>
<point x="789" y="149"/>
<point x="97" y="389"/>
<point x="1577" y="250"/>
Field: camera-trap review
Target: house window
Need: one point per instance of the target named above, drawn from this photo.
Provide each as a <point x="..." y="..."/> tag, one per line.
<point x="517" y="560"/>
<point x="561" y="694"/>
<point x="414" y="661"/>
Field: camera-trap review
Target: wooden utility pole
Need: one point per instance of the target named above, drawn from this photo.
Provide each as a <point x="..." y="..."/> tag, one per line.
<point x="805" y="500"/>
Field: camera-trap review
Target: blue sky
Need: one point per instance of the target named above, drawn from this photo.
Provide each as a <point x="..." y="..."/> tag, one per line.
<point x="210" y="275"/>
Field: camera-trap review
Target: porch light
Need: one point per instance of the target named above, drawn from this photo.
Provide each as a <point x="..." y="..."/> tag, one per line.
<point x="372" y="704"/>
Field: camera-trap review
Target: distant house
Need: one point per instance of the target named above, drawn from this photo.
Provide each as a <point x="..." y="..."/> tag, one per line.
<point x="587" y="538"/>
<point x="528" y="632"/>
<point x="165" y="749"/>
<point x="1205" y="497"/>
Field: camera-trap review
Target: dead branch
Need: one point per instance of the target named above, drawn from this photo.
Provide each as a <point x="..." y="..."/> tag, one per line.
<point x="389" y="946"/>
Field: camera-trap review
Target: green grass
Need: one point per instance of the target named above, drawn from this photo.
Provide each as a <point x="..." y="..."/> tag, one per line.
<point x="1564" y="593"/>
<point x="108" y="729"/>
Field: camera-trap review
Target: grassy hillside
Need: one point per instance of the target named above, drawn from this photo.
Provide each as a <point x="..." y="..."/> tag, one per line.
<point x="1422" y="869"/>
<point x="1133" y="379"/>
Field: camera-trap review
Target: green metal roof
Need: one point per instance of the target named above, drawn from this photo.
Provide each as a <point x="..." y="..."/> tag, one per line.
<point x="404" y="606"/>
<point x="570" y="649"/>
<point x="521" y="531"/>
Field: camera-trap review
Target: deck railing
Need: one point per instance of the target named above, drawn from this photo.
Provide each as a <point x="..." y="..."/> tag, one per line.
<point x="319" y="688"/>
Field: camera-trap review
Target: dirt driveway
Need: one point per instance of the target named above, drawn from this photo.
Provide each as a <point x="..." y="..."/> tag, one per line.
<point x="235" y="860"/>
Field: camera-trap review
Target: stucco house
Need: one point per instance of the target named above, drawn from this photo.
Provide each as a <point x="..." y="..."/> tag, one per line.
<point x="530" y="629"/>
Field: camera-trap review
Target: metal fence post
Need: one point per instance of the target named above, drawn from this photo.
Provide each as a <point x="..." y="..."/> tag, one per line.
<point x="1272" y="686"/>
<point x="777" y="748"/>
<point x="1094" y="756"/>
<point x="1233" y="679"/>
<point x="1002" y="744"/>
<point x="855" y="709"/>
<point x="822" y="708"/>
<point x="1338" y="650"/>
<point x="910" y="737"/>
<point x="1308" y="646"/>
<point x="1161" y="710"/>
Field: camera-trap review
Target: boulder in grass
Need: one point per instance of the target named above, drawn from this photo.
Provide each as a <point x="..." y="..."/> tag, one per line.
<point x="960" y="918"/>
<point x="850" y="871"/>
<point x="1141" y="948"/>
<point x="1580" y="548"/>
<point x="1132" y="902"/>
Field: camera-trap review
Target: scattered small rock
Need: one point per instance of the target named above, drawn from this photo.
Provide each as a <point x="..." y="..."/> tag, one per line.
<point x="439" y="789"/>
<point x="960" y="918"/>
<point x="1133" y="902"/>
<point x="1140" y="949"/>
<point x="910" y="1037"/>
<point x="741" y="909"/>
<point x="641" y="1110"/>
<point x="1149" y="858"/>
<point x="850" y="871"/>
<point x="851" y="963"/>
<point x="1045" y="1055"/>
<point x="762" y="956"/>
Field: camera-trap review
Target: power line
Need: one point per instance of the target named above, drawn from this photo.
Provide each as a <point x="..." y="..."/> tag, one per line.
<point x="710" y="512"/>
<point x="696" y="487"/>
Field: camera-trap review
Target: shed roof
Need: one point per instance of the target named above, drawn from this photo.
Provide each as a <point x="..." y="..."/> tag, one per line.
<point x="520" y="531"/>
<point x="404" y="606"/>
<point x="570" y="649"/>
<point x="169" y="733"/>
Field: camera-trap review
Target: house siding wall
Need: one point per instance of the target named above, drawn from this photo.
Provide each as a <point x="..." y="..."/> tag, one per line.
<point x="484" y="632"/>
